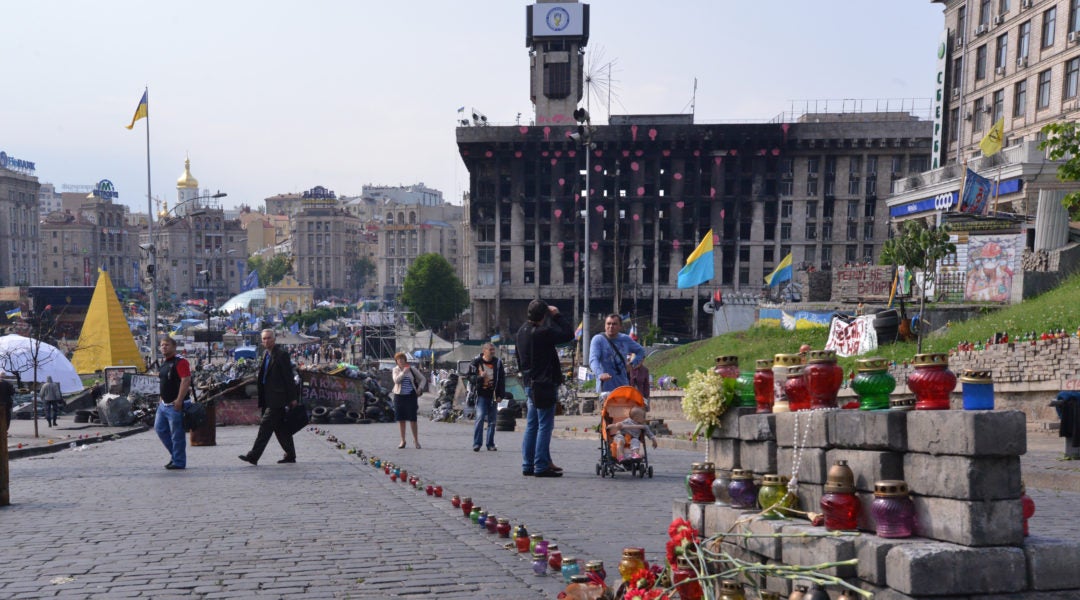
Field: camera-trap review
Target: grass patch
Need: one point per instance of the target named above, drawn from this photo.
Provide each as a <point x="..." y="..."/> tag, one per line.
<point x="1056" y="309"/>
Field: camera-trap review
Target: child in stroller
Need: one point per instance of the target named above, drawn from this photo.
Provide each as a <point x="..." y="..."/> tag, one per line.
<point x="622" y="427"/>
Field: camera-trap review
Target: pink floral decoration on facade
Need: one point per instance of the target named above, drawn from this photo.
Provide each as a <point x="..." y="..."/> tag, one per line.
<point x="652" y="134"/>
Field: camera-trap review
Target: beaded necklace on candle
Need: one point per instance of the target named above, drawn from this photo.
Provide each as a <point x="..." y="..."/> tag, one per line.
<point x="800" y="445"/>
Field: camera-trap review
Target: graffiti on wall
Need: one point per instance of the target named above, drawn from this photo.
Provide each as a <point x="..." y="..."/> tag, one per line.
<point x="991" y="264"/>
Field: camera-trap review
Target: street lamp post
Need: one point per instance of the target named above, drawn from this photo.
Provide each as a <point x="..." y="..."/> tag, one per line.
<point x="584" y="137"/>
<point x="209" y="304"/>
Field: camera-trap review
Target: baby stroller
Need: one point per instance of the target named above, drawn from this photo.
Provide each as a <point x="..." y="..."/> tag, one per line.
<point x="616" y="408"/>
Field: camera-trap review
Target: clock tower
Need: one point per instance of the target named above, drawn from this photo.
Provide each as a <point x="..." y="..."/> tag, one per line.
<point x="556" y="34"/>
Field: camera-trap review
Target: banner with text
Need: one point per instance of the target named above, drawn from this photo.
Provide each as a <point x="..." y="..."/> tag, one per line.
<point x="854" y="338"/>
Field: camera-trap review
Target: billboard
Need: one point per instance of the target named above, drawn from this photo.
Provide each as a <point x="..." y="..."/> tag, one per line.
<point x="557" y="19"/>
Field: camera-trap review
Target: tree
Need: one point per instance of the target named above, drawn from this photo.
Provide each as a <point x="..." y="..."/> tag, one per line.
<point x="918" y="248"/>
<point x="270" y="271"/>
<point x="363" y="269"/>
<point x="433" y="291"/>
<point x="1063" y="143"/>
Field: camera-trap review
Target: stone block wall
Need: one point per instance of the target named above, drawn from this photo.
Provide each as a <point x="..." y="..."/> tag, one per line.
<point x="963" y="471"/>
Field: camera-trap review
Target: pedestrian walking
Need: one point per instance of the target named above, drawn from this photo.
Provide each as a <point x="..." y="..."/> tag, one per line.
<point x="53" y="399"/>
<point x="408" y="381"/>
<point x="608" y="353"/>
<point x="488" y="378"/>
<point x="277" y="394"/>
<point x="538" y="361"/>
<point x="174" y="383"/>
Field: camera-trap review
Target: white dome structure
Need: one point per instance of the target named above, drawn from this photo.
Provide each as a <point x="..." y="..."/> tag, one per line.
<point x="249" y="301"/>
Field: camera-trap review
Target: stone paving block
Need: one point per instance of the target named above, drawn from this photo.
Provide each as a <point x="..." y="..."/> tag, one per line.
<point x="939" y="568"/>
<point x="1052" y="564"/>
<point x="869" y="466"/>
<point x="812" y="467"/>
<point x="724" y="453"/>
<point x="969" y="523"/>
<point x="963" y="477"/>
<point x="723" y="518"/>
<point x="765" y="545"/>
<point x="868" y="429"/>
<point x="810" y="496"/>
<point x="695" y="513"/>
<point x="884" y="593"/>
<point x="757" y="428"/>
<point x="814" y="549"/>
<point x="813" y="428"/>
<point x="866" y="521"/>
<point x="872" y="552"/>
<point x="759" y="457"/>
<point x="729" y="422"/>
<point x="967" y="432"/>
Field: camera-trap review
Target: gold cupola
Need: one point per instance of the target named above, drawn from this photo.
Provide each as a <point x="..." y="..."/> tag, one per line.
<point x="187" y="181"/>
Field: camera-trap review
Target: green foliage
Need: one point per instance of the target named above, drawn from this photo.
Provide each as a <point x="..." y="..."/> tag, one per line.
<point x="1062" y="140"/>
<point x="1056" y="309"/>
<point x="317" y="315"/>
<point x="433" y="291"/>
<point x="918" y="248"/>
<point x="270" y="271"/>
<point x="362" y="270"/>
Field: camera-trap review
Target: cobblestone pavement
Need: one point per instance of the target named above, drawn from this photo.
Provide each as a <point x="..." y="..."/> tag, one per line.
<point x="107" y="521"/>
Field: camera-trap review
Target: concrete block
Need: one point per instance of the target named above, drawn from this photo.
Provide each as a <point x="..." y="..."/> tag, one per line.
<point x="812" y="467"/>
<point x="760" y="540"/>
<point x="722" y="518"/>
<point x="963" y="477"/>
<point x="739" y="552"/>
<point x="757" y="428"/>
<point x="872" y="551"/>
<point x="724" y="453"/>
<point x="759" y="457"/>
<point x="868" y="430"/>
<point x="810" y="496"/>
<point x="1051" y="564"/>
<point x="815" y="549"/>
<point x="679" y="509"/>
<point x="695" y="513"/>
<point x="813" y="429"/>
<point x="969" y="523"/>
<point x="940" y="569"/>
<point x="869" y="466"/>
<point x="967" y="432"/>
<point x="729" y="422"/>
<point x="884" y="593"/>
<point x="866" y="520"/>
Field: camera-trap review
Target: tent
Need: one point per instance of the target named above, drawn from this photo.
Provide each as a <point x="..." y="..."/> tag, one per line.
<point x="17" y="356"/>
<point x="105" y="339"/>
<point x="245" y="352"/>
<point x="291" y="339"/>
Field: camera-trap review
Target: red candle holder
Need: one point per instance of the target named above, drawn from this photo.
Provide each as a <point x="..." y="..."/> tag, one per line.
<point x="823" y="378"/>
<point x="466" y="506"/>
<point x="455" y="501"/>
<point x="798" y="395"/>
<point x="438" y="491"/>
<point x="763" y="386"/>
<point x="430" y="490"/>
<point x="931" y="381"/>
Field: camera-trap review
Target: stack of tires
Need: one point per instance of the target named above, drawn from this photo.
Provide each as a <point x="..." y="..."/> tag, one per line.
<point x="887" y="325"/>
<point x="506" y="418"/>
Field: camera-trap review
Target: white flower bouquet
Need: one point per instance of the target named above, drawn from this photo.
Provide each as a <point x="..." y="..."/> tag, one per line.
<point x="706" y="398"/>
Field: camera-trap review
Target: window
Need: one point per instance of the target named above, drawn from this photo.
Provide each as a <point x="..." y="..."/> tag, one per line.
<point x="1048" y="26"/>
<point x="1019" y="98"/>
<point x="830" y="165"/>
<point x="811" y="187"/>
<point x="811" y="231"/>
<point x="855" y="165"/>
<point x="984" y="12"/>
<point x="961" y="21"/>
<point x="919" y="163"/>
<point x="853" y="230"/>
<point x="787" y="208"/>
<point x="811" y="210"/>
<point x="851" y="252"/>
<point x="957" y="72"/>
<point x="1044" y="89"/>
<point x="1072" y="70"/>
<point x="785" y="231"/>
<point x="826" y="231"/>
<point x="853" y="210"/>
<point x="868" y="231"/>
<point x="1003" y="6"/>
<point x="785" y="187"/>
<point x="855" y="184"/>
<point x="1001" y="54"/>
<point x="999" y="106"/>
<point x="977" y="118"/>
<point x="980" y="62"/>
<point x="871" y="165"/>
<point x="897" y="164"/>
<point x="812" y="165"/>
<point x="954" y="125"/>
<point x="1023" y="38"/>
<point x="1074" y="15"/>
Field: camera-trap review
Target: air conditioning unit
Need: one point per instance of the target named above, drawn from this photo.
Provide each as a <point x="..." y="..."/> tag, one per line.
<point x="1026" y="3"/>
<point x="1073" y="37"/>
<point x="788" y="175"/>
<point x="955" y="93"/>
<point x="986" y="109"/>
<point x="812" y="175"/>
<point x="981" y="29"/>
<point x="998" y="20"/>
<point x="1000" y="70"/>
<point x="967" y="116"/>
<point x="1021" y="62"/>
<point x="958" y="43"/>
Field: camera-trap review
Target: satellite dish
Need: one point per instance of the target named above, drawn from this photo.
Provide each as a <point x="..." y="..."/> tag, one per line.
<point x="708" y="308"/>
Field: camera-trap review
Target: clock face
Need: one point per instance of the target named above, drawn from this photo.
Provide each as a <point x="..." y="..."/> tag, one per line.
<point x="557" y="19"/>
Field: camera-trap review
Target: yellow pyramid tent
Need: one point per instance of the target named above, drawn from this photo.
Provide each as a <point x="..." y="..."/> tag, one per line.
<point x="106" y="339"/>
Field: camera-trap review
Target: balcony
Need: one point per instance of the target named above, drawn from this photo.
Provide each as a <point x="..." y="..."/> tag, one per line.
<point x="1025" y="152"/>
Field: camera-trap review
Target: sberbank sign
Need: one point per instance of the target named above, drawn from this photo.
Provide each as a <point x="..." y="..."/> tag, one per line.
<point x="939" y="100"/>
<point x="15" y="164"/>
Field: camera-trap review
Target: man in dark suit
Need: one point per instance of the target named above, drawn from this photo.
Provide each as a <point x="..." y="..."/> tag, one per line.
<point x="277" y="394"/>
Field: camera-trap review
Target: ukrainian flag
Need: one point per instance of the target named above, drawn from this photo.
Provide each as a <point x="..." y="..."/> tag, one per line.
<point x="699" y="265"/>
<point x="781" y="273"/>
<point x="14" y="313"/>
<point x="141" y="111"/>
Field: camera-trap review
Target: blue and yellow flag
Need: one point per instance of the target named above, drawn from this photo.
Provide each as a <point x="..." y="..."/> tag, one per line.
<point x="141" y="111"/>
<point x="14" y="313"/>
<point x="781" y="273"/>
<point x="699" y="265"/>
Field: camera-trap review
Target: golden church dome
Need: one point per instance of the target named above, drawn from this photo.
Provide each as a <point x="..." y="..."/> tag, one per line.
<point x="186" y="180"/>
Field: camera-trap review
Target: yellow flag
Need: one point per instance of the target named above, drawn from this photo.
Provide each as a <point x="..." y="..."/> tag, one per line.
<point x="141" y="111"/>
<point x="991" y="144"/>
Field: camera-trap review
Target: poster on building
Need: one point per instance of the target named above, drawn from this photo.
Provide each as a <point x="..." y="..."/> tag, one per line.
<point x="852" y="338"/>
<point x="990" y="268"/>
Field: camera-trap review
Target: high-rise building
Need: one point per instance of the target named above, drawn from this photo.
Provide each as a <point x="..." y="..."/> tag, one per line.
<point x="812" y="184"/>
<point x="19" y="216"/>
<point x="94" y="235"/>
<point x="325" y="245"/>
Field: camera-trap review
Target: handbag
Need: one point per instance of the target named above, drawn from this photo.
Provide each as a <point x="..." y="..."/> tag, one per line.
<point x="296" y="418"/>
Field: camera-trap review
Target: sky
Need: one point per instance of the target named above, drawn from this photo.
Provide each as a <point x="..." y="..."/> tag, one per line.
<point x="269" y="97"/>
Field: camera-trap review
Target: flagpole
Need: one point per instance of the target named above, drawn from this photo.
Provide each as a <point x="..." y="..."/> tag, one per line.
<point x="997" y="188"/>
<point x="152" y="275"/>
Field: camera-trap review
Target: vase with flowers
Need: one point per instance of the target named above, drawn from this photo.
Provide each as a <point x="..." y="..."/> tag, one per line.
<point x="707" y="397"/>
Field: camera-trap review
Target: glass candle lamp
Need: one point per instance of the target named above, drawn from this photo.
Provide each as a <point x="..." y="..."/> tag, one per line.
<point x="763" y="386"/>
<point x="893" y="509"/>
<point x="569" y="568"/>
<point x="978" y="386"/>
<point x="727" y="366"/>
<point x="823" y="378"/>
<point x="773" y="497"/>
<point x="873" y="383"/>
<point x="931" y="381"/>
<point x="742" y="489"/>
<point x="796" y="390"/>
<point x="839" y="504"/>
<point x="699" y="482"/>
<point x="632" y="559"/>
